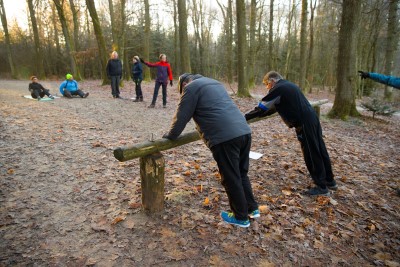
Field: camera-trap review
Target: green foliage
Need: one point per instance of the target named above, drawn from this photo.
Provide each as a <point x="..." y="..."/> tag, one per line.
<point x="378" y="107"/>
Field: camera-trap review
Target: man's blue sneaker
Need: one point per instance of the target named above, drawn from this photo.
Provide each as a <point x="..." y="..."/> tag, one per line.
<point x="254" y="214"/>
<point x="229" y="217"/>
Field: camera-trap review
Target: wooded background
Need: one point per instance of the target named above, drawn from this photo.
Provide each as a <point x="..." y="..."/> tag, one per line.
<point x="315" y="43"/>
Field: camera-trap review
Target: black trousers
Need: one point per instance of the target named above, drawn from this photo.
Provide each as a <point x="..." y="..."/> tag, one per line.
<point x="138" y="88"/>
<point x="40" y="93"/>
<point x="70" y="94"/>
<point x="232" y="158"/>
<point x="164" y="92"/>
<point x="115" y="85"/>
<point x="314" y="152"/>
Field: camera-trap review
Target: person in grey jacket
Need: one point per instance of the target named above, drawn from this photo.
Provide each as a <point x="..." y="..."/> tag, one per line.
<point x="226" y="133"/>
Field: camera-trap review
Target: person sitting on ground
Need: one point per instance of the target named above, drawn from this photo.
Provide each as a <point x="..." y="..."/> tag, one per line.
<point x="380" y="78"/>
<point x="70" y="87"/>
<point x="37" y="90"/>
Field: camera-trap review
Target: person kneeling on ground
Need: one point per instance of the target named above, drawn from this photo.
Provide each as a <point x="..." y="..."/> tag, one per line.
<point x="37" y="90"/>
<point x="70" y="87"/>
<point x="287" y="99"/>
<point x="226" y="133"/>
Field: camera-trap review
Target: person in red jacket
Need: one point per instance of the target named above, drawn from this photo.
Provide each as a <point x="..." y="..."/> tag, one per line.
<point x="164" y="73"/>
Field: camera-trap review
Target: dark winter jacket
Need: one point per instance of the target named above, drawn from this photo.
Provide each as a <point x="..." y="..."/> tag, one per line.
<point x="137" y="71"/>
<point x="114" y="67"/>
<point x="164" y="71"/>
<point x="287" y="99"/>
<point x="216" y="116"/>
<point x="35" y="86"/>
<point x="388" y="80"/>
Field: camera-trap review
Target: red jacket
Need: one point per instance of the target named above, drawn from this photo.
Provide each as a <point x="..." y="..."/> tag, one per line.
<point x="164" y="71"/>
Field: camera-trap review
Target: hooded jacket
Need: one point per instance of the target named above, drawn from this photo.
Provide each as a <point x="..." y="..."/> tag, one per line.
<point x="164" y="71"/>
<point x="137" y="71"/>
<point x="216" y="116"/>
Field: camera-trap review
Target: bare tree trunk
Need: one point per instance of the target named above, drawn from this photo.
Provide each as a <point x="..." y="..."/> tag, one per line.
<point x="183" y="37"/>
<point x="243" y="88"/>
<point x="8" y="42"/>
<point x="289" y="40"/>
<point x="176" y="64"/>
<point x="113" y="26"/>
<point x="311" y="46"/>
<point x="252" y="43"/>
<point x="345" y="104"/>
<point x="303" y="45"/>
<point x="271" y="64"/>
<point x="229" y="47"/>
<point x="56" y="39"/>
<point x="38" y="51"/>
<point x="122" y="40"/>
<point x="69" y="45"/>
<point x="100" y="39"/>
<point x="146" y="48"/>
<point x="391" y="43"/>
<point x="75" y="19"/>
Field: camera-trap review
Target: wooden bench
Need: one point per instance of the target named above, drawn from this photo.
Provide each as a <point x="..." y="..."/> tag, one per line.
<point x="152" y="163"/>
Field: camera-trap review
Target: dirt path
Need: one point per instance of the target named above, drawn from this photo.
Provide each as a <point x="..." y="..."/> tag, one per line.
<point x="65" y="200"/>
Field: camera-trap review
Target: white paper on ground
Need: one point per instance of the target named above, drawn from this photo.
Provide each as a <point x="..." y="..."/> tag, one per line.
<point x="255" y="155"/>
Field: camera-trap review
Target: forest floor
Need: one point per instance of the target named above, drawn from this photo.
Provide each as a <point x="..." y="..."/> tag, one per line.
<point x="66" y="201"/>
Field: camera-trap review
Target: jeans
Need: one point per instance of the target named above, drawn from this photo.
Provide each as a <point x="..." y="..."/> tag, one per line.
<point x="164" y="92"/>
<point x="232" y="158"/>
<point x="115" y="85"/>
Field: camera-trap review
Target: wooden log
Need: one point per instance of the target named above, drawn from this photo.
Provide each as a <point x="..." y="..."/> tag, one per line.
<point x="317" y="110"/>
<point x="152" y="169"/>
<point x="149" y="147"/>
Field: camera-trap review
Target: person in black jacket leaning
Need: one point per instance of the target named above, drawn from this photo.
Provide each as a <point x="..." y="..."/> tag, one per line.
<point x="287" y="99"/>
<point x="226" y="133"/>
<point x="114" y="73"/>
<point x="37" y="90"/>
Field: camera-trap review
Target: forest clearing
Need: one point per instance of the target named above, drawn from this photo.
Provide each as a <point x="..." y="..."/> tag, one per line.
<point x="66" y="201"/>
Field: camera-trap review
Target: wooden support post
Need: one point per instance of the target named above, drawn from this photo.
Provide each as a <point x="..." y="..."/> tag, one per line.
<point x="317" y="110"/>
<point x="152" y="169"/>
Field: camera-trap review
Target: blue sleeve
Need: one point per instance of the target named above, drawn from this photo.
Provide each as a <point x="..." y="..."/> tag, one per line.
<point x="267" y="105"/>
<point x="388" y="80"/>
<point x="62" y="86"/>
<point x="76" y="84"/>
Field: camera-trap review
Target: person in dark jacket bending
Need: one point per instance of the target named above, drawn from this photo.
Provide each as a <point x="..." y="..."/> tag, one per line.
<point x="114" y="73"/>
<point x="137" y="77"/>
<point x="226" y="133"/>
<point x="37" y="90"/>
<point x="287" y="99"/>
<point x="164" y="73"/>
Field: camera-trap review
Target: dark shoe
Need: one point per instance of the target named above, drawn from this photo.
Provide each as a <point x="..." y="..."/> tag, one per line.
<point x="151" y="106"/>
<point x="164" y="106"/>
<point x="332" y="185"/>
<point x="141" y="99"/>
<point x="50" y="96"/>
<point x="85" y="95"/>
<point x="318" y="191"/>
<point x="136" y="100"/>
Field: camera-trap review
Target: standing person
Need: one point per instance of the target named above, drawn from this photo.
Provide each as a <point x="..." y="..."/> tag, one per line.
<point x="137" y="77"/>
<point x="70" y="87"/>
<point x="164" y="73"/>
<point x="37" y="90"/>
<point x="287" y="99"/>
<point x="114" y="73"/>
<point x="380" y="78"/>
<point x="226" y="133"/>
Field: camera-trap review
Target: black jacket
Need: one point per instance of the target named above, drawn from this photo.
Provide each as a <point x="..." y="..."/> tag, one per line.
<point x="137" y="71"/>
<point x="114" y="67"/>
<point x="35" y="86"/>
<point x="216" y="116"/>
<point x="287" y="99"/>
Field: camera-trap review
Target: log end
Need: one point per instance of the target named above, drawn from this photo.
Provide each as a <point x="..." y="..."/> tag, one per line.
<point x="119" y="154"/>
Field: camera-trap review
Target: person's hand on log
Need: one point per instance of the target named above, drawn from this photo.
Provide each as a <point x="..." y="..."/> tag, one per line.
<point x="166" y="136"/>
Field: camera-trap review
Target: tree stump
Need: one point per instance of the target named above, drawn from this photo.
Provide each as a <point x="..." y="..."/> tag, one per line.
<point x="317" y="110"/>
<point x="152" y="169"/>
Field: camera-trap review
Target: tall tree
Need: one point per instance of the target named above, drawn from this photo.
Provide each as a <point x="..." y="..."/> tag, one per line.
<point x="176" y="64"/>
<point x="346" y="75"/>
<point x="183" y="37"/>
<point x="252" y="43"/>
<point x="271" y="36"/>
<point x="392" y="42"/>
<point x="69" y="45"/>
<point x="291" y="39"/>
<point x="8" y="42"/>
<point x="38" y="50"/>
<point x="311" y="44"/>
<point x="146" y="44"/>
<point x="303" y="45"/>
<point x="100" y="39"/>
<point x="243" y="88"/>
<point x="75" y="19"/>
